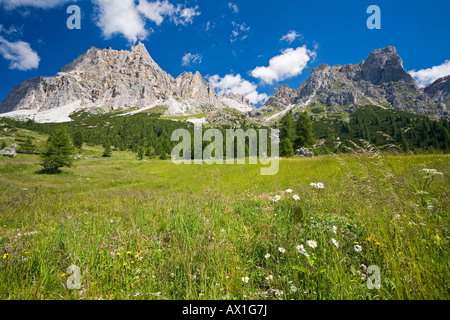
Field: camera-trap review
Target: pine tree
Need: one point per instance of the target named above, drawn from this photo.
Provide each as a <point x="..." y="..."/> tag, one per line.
<point x="286" y="148"/>
<point x="107" y="152"/>
<point x="150" y="152"/>
<point x="140" y="153"/>
<point x="57" y="151"/>
<point x="303" y="129"/>
<point x="78" y="139"/>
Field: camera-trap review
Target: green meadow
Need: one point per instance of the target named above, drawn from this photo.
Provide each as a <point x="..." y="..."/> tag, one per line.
<point x="154" y="230"/>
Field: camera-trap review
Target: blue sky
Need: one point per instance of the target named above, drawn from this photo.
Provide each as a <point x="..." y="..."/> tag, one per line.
<point x="247" y="47"/>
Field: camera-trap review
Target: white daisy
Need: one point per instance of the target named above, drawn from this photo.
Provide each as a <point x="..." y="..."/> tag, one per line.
<point x="358" y="248"/>
<point x="296" y="197"/>
<point x="312" y="243"/>
<point x="334" y="229"/>
<point x="245" y="279"/>
<point x="320" y="185"/>
<point x="302" y="250"/>
<point x="282" y="250"/>
<point x="289" y="190"/>
<point x="267" y="256"/>
<point x="335" y="243"/>
<point x="293" y="288"/>
<point x="278" y="292"/>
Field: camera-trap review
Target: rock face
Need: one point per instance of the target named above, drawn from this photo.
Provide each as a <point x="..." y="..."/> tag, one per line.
<point x="193" y="86"/>
<point x="108" y="80"/>
<point x="439" y="91"/>
<point x="8" y="152"/>
<point x="379" y="80"/>
<point x="305" y="152"/>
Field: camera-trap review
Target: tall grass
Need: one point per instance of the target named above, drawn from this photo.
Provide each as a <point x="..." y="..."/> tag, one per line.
<point x="153" y="230"/>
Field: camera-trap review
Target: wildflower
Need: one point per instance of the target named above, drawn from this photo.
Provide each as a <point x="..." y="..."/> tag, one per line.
<point x="334" y="229"/>
<point x="124" y="264"/>
<point x="118" y="254"/>
<point x="368" y="239"/>
<point x="364" y="267"/>
<point x="296" y="197"/>
<point x="289" y="190"/>
<point x="63" y="275"/>
<point x="278" y="292"/>
<point x="282" y="250"/>
<point x="267" y="256"/>
<point x="245" y="279"/>
<point x="312" y="243"/>
<point x="293" y="288"/>
<point x="302" y="250"/>
<point x="320" y="185"/>
<point x="358" y="248"/>
<point x="312" y="184"/>
<point x="5" y="255"/>
<point x="432" y="172"/>
<point x="136" y="256"/>
<point x="335" y="243"/>
<point x="140" y="258"/>
<point x="363" y="277"/>
<point x="138" y="271"/>
<point x="269" y="278"/>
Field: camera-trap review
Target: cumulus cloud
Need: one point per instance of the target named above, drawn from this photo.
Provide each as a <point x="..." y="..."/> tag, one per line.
<point x="40" y="4"/>
<point x="19" y="54"/>
<point x="190" y="58"/>
<point x="156" y="11"/>
<point x="240" y="31"/>
<point x="120" y="17"/>
<point x="237" y="85"/>
<point x="233" y="7"/>
<point x="291" y="36"/>
<point x="290" y="63"/>
<point x="129" y="19"/>
<point x="425" y="77"/>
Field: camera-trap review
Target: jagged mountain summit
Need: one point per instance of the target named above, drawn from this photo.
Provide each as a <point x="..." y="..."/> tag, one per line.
<point x="379" y="80"/>
<point x="105" y="80"/>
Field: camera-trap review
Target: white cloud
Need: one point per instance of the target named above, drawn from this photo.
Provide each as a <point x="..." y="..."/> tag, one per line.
<point x="239" y="31"/>
<point x="190" y="58"/>
<point x="425" y="77"/>
<point x="120" y="17"/>
<point x="128" y="19"/>
<point x="291" y="36"/>
<point x="237" y="85"/>
<point x="40" y="4"/>
<point x="233" y="7"/>
<point x="19" y="54"/>
<point x="290" y="63"/>
<point x="155" y="11"/>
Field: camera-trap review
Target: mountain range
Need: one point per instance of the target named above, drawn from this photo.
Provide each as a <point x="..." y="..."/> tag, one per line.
<point x="104" y="80"/>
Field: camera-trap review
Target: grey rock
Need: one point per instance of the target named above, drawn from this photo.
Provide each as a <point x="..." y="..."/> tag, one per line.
<point x="305" y="152"/>
<point x="379" y="80"/>
<point x="439" y="91"/>
<point x="8" y="152"/>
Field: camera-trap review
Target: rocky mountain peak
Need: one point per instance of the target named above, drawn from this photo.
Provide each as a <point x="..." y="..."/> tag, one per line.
<point x="384" y="65"/>
<point x="380" y="80"/>
<point x="439" y="91"/>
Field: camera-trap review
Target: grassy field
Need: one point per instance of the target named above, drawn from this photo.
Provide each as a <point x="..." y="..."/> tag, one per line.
<point x="153" y="230"/>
